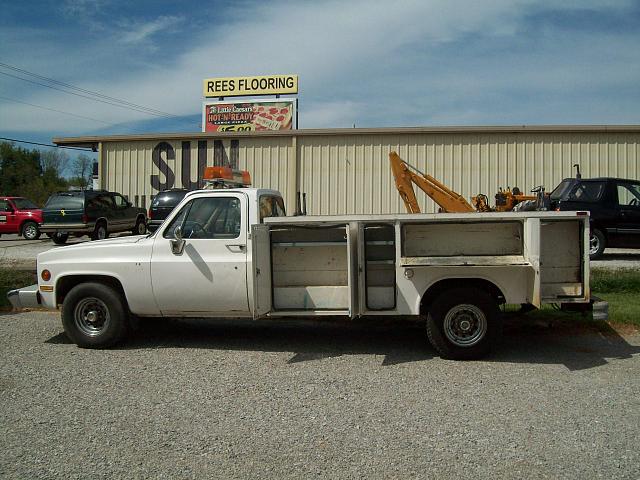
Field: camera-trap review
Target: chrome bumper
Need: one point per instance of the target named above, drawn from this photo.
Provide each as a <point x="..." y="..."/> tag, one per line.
<point x="25" y="297"/>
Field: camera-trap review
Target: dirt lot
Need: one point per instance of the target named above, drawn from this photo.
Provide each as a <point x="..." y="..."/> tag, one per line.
<point x="237" y="399"/>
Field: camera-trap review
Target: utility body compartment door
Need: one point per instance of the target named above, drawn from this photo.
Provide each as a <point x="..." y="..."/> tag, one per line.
<point x="261" y="259"/>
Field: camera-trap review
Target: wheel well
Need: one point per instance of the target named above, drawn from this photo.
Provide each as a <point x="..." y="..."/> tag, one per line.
<point x="603" y="231"/>
<point x="65" y="284"/>
<point x="25" y="221"/>
<point x="438" y="288"/>
<point x="102" y="220"/>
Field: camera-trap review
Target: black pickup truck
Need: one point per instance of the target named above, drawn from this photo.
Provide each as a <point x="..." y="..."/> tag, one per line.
<point x="614" y="204"/>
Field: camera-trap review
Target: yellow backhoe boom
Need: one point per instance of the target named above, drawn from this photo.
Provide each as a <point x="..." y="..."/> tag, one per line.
<point x="405" y="175"/>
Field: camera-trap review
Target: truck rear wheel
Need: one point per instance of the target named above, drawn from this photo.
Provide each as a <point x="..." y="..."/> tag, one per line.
<point x="60" y="238"/>
<point x="94" y="315"/>
<point x="597" y="244"/>
<point x="140" y="228"/>
<point x="100" y="232"/>
<point x="464" y="323"/>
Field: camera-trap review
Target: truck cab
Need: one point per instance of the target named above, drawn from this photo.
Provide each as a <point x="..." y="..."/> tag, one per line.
<point x="20" y="215"/>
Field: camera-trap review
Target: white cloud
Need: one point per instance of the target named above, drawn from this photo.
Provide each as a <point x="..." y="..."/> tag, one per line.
<point x="136" y="32"/>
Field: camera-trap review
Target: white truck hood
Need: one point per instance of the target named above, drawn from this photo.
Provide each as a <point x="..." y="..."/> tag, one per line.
<point x="90" y="251"/>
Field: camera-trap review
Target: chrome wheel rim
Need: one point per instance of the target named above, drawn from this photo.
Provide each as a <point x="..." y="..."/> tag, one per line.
<point x="102" y="233"/>
<point x="91" y="316"/>
<point x="30" y="231"/>
<point x="594" y="243"/>
<point x="465" y="325"/>
<point x="141" y="228"/>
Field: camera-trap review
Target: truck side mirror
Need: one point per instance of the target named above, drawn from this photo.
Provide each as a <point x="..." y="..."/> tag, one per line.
<point x="177" y="244"/>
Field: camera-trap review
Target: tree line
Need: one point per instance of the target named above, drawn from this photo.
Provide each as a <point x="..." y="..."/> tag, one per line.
<point x="36" y="174"/>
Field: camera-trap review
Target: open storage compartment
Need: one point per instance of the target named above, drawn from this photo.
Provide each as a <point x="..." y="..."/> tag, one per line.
<point x="561" y="251"/>
<point x="379" y="263"/>
<point x="311" y="268"/>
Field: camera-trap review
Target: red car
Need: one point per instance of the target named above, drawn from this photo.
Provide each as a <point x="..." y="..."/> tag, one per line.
<point x="19" y="215"/>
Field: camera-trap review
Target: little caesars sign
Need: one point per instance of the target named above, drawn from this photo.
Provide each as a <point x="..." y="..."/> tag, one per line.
<point x="250" y="86"/>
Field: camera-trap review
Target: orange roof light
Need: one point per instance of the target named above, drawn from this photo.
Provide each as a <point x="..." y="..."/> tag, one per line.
<point x="225" y="177"/>
<point x="214" y="173"/>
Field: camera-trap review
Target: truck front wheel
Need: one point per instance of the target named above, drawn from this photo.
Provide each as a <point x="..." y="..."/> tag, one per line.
<point x="94" y="315"/>
<point x="464" y="323"/>
<point x="30" y="231"/>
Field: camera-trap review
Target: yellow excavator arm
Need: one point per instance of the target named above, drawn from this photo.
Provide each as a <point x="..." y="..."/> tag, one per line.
<point x="405" y="175"/>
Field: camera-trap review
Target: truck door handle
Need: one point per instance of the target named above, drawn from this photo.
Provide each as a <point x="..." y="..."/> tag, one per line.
<point x="241" y="246"/>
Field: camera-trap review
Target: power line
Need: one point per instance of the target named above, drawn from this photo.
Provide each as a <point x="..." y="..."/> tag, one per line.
<point x="54" y="110"/>
<point x="90" y="92"/>
<point x="84" y="96"/>
<point x="46" y="144"/>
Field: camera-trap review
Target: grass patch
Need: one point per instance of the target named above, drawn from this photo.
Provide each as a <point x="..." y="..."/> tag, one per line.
<point x="10" y="279"/>
<point x="621" y="288"/>
<point x="615" y="281"/>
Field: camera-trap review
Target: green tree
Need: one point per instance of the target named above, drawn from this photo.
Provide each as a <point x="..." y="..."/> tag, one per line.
<point x="22" y="174"/>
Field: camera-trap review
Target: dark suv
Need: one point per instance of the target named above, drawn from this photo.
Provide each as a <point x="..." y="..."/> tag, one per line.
<point x="91" y="212"/>
<point x="614" y="204"/>
<point x="162" y="205"/>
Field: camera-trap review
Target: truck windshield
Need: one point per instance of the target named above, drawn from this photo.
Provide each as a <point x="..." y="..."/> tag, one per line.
<point x="24" y="204"/>
<point x="562" y="189"/>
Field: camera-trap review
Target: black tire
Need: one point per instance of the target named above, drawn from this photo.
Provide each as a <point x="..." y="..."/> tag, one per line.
<point x="597" y="244"/>
<point x="100" y="232"/>
<point x="60" y="238"/>
<point x="94" y="315"/>
<point x="30" y="231"/>
<point x="140" y="228"/>
<point x="464" y="323"/>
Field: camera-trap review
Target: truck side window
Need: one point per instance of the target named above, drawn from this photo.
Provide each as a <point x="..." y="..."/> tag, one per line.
<point x="119" y="201"/>
<point x="4" y="206"/>
<point x="628" y="194"/>
<point x="271" y="206"/>
<point x="208" y="218"/>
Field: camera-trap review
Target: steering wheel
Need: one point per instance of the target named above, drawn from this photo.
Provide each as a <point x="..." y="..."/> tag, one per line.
<point x="195" y="228"/>
<point x="634" y="202"/>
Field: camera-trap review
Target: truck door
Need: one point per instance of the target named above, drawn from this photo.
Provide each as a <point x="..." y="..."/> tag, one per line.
<point x="261" y="259"/>
<point x="628" y="214"/>
<point x="208" y="275"/>
<point x="7" y="217"/>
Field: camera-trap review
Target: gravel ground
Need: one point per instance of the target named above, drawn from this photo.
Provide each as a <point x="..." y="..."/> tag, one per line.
<point x="236" y="399"/>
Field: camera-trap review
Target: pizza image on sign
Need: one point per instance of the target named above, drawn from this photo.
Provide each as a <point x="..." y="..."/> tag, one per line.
<point x="238" y="117"/>
<point x="268" y="117"/>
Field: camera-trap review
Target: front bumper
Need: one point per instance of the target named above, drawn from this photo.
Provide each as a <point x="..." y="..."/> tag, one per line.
<point x="25" y="297"/>
<point x="65" y="227"/>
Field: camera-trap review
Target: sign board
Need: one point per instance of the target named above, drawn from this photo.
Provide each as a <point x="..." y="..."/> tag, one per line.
<point x="241" y="116"/>
<point x="250" y="86"/>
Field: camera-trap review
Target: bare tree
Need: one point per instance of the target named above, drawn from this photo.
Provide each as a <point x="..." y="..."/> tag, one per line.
<point x="82" y="170"/>
<point x="56" y="161"/>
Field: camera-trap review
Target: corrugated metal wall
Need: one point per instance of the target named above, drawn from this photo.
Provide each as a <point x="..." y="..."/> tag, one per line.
<point x="349" y="173"/>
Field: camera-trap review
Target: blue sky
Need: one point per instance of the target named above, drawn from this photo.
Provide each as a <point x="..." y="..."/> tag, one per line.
<point x="372" y="64"/>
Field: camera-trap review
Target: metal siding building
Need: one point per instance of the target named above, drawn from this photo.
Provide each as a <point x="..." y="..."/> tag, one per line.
<point x="347" y="170"/>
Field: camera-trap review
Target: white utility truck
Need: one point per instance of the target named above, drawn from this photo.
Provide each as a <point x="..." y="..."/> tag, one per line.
<point x="232" y="253"/>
